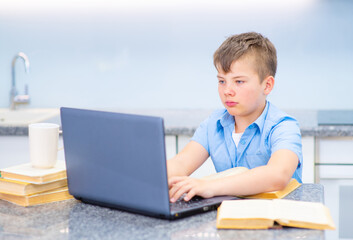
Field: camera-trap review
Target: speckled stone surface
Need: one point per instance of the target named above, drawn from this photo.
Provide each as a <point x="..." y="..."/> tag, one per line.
<point x="72" y="219"/>
<point x="185" y="122"/>
<point x="13" y="131"/>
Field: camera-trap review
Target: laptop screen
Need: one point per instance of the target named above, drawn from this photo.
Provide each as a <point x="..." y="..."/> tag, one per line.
<point x="116" y="159"/>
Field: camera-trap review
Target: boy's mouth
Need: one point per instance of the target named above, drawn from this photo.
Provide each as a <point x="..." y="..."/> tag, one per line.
<point x="231" y="103"/>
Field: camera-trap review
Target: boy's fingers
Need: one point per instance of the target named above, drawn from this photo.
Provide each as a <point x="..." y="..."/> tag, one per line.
<point x="189" y="195"/>
<point x="179" y="193"/>
<point x="174" y="180"/>
<point x="172" y="192"/>
<point x="177" y="187"/>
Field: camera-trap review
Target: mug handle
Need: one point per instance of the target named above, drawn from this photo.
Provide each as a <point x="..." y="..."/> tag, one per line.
<point x="62" y="148"/>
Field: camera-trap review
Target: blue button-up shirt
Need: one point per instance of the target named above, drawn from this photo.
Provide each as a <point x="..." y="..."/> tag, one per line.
<point x="272" y="131"/>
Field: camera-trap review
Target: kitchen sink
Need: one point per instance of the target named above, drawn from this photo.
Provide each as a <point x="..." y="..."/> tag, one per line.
<point x="23" y="117"/>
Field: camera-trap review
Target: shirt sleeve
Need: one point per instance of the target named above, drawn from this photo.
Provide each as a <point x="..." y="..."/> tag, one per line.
<point x="201" y="135"/>
<point x="286" y="135"/>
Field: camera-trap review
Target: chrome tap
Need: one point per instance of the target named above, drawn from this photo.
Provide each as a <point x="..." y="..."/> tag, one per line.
<point x="16" y="99"/>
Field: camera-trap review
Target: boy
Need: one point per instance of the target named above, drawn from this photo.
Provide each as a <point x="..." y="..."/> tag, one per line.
<point x="249" y="132"/>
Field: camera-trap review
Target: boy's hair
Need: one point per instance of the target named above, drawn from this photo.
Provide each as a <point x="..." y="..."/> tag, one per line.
<point x="247" y="44"/>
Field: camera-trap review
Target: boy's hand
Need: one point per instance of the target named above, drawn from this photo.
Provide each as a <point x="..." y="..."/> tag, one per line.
<point x="191" y="186"/>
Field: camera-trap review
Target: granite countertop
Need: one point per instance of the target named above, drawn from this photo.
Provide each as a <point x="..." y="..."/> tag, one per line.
<point x="185" y="122"/>
<point x="72" y="219"/>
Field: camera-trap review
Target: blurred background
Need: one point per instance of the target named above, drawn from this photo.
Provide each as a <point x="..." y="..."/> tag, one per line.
<point x="136" y="54"/>
<point x="158" y="54"/>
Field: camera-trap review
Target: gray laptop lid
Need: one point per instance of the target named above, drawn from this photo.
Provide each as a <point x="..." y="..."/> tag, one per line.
<point x="116" y="160"/>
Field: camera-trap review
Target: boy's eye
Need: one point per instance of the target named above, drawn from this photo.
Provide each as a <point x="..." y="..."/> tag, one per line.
<point x="239" y="82"/>
<point x="220" y="81"/>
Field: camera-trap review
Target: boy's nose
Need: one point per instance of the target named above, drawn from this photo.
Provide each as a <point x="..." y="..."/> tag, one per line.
<point x="229" y="91"/>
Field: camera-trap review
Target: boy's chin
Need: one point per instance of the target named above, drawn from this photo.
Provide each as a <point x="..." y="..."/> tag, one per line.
<point x="233" y="111"/>
<point x="237" y="111"/>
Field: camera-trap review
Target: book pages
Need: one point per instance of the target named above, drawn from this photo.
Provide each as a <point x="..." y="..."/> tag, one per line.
<point x="260" y="213"/>
<point x="298" y="211"/>
<point x="28" y="170"/>
<point x="247" y="209"/>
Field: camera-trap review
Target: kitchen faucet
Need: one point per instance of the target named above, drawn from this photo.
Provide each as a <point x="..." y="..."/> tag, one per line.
<point x="16" y="99"/>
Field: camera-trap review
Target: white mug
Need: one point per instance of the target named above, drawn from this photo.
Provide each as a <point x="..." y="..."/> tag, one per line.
<point x="43" y="144"/>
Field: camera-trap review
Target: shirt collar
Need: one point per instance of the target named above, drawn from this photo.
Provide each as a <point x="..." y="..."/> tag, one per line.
<point x="226" y="119"/>
<point x="260" y="121"/>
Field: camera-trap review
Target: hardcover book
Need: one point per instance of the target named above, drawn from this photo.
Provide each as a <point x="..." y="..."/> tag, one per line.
<point x="54" y="195"/>
<point x="264" y="214"/>
<point x="27" y="173"/>
<point x="20" y="188"/>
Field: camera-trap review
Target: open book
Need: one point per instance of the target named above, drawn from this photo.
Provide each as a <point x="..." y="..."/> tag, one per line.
<point x="262" y="214"/>
<point x="291" y="186"/>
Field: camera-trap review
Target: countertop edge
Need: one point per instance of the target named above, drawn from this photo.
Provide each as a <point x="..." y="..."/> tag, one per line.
<point x="319" y="131"/>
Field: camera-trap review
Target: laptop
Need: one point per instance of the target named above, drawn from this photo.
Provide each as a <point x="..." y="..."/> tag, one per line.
<point x="118" y="161"/>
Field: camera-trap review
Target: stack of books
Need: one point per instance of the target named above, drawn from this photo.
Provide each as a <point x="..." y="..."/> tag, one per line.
<point x="27" y="186"/>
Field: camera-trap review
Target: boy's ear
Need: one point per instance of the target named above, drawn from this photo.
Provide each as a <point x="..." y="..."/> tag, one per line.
<point x="268" y="84"/>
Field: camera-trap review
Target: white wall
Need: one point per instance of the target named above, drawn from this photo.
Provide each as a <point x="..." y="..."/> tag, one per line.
<point x="158" y="54"/>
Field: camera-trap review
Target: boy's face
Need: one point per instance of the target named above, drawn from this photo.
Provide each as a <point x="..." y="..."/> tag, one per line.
<point x="240" y="90"/>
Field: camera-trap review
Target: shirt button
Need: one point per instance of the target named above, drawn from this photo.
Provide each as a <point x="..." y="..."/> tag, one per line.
<point x="242" y="142"/>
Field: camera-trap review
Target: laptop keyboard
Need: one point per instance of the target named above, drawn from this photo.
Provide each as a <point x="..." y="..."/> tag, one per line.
<point x="192" y="202"/>
<point x="195" y="202"/>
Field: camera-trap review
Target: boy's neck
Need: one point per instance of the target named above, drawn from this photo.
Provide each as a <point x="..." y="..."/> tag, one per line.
<point x="242" y="122"/>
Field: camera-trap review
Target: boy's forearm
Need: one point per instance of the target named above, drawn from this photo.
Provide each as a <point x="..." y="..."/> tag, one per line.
<point x="177" y="166"/>
<point x="271" y="177"/>
<point x="187" y="161"/>
<point x="250" y="182"/>
<point x="174" y="168"/>
<point x="254" y="181"/>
